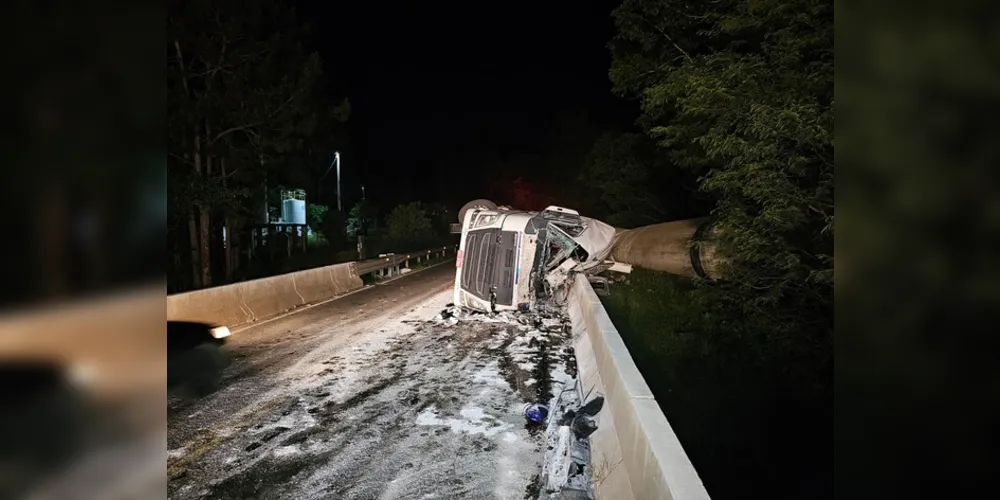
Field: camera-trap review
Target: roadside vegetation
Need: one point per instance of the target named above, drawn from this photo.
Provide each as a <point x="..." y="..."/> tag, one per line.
<point x="735" y="122"/>
<point x="406" y="228"/>
<point x="753" y="413"/>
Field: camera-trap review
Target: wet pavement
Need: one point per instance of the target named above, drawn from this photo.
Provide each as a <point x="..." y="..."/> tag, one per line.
<point x="375" y="396"/>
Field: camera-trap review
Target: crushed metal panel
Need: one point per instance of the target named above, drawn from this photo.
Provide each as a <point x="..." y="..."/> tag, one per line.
<point x="559" y="276"/>
<point x="597" y="240"/>
<point x="568" y="247"/>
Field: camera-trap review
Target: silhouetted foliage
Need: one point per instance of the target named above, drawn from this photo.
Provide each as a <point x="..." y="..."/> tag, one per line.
<point x="409" y="228"/>
<point x="334" y="229"/>
<point x="739" y="95"/>
<point x="245" y="114"/>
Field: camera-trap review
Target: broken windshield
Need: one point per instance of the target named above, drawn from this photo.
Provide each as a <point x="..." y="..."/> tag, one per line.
<point x="561" y="247"/>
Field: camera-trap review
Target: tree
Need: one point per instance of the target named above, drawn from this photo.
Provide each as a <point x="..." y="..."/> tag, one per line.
<point x="242" y="98"/>
<point x="619" y="175"/>
<point x="741" y="93"/>
<point x="364" y="209"/>
<point x="334" y="229"/>
<point x="409" y="227"/>
<point x="635" y="184"/>
<point x="316" y="214"/>
<point x="441" y="219"/>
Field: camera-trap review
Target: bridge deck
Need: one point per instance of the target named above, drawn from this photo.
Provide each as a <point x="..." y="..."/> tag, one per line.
<point x="369" y="396"/>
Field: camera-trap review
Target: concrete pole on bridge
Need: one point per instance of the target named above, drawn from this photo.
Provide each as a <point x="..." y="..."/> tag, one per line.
<point x="683" y="247"/>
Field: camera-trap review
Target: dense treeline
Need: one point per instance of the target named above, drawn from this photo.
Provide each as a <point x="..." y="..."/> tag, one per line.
<point x="738" y="97"/>
<point x="736" y="122"/>
<point x="247" y="113"/>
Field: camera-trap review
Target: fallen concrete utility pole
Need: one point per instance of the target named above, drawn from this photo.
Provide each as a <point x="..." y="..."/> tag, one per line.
<point x="683" y="247"/>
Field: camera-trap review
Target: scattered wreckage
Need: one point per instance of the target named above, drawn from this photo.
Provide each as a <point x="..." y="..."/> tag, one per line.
<point x="560" y="409"/>
<point x="515" y="267"/>
<point x="511" y="260"/>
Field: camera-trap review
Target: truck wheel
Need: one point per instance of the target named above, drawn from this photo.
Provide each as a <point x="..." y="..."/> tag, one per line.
<point x="481" y="203"/>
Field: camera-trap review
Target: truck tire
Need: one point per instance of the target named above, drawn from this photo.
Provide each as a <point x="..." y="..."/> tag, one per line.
<point x="480" y="203"/>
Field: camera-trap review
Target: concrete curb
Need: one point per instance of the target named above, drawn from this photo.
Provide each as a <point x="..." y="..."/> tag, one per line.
<point x="635" y="454"/>
<point x="256" y="300"/>
<point x="248" y="326"/>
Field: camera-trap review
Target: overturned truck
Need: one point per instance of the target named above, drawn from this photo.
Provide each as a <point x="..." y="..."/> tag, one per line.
<point x="510" y="259"/>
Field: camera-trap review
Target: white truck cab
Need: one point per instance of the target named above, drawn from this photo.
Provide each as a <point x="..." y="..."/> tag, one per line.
<point x="508" y="259"/>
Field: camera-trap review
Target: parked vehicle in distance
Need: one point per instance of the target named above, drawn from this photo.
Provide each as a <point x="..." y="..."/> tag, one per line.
<point x="194" y="356"/>
<point x="510" y="259"/>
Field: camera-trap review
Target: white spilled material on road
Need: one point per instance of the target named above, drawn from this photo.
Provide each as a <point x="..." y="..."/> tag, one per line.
<point x="472" y="421"/>
<point x="401" y="407"/>
<point x="490" y="376"/>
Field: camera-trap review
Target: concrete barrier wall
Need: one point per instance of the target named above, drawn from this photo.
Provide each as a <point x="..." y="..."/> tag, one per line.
<point x="634" y="452"/>
<point x="255" y="300"/>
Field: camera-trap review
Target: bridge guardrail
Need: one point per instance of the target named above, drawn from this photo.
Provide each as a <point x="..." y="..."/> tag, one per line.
<point x="635" y="454"/>
<point x="392" y="262"/>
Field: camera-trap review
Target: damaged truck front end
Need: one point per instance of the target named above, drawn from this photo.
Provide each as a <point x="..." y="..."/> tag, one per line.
<point x="512" y="260"/>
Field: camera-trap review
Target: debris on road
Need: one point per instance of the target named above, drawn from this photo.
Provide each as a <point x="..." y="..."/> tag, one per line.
<point x="540" y="346"/>
<point x="536" y="412"/>
<point x="428" y="403"/>
<point x="566" y="466"/>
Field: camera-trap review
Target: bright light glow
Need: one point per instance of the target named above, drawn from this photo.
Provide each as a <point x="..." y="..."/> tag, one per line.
<point x="220" y="332"/>
<point x="82" y="374"/>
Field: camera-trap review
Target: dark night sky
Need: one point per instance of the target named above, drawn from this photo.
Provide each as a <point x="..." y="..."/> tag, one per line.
<point x="436" y="85"/>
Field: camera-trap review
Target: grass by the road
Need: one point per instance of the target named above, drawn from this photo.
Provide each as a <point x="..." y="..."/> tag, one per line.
<point x="751" y="429"/>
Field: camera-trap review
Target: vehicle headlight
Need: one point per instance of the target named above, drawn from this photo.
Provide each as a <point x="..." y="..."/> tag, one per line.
<point x="81" y="374"/>
<point x="220" y="332"/>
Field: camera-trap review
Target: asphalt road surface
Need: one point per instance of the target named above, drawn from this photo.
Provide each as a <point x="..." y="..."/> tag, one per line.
<point x="374" y="396"/>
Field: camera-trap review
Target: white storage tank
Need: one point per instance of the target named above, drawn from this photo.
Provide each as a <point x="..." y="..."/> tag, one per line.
<point x="293" y="211"/>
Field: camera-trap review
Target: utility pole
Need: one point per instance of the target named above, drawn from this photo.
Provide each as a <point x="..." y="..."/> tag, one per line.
<point x="340" y="207"/>
<point x="362" y="229"/>
<point x="683" y="247"/>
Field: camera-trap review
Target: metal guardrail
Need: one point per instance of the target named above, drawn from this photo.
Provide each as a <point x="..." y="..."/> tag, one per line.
<point x="393" y="263"/>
